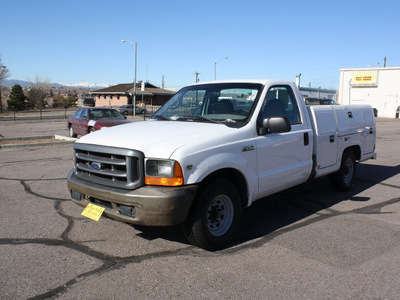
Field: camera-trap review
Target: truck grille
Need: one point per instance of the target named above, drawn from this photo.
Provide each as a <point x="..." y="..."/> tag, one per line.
<point x="109" y="166"/>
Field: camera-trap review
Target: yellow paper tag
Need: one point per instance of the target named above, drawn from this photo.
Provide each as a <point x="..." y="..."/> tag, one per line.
<point x="93" y="212"/>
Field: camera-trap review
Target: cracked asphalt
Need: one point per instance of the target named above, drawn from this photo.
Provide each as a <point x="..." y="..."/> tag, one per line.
<point x="309" y="242"/>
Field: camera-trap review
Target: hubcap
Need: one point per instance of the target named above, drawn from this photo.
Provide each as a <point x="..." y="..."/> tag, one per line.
<point x="348" y="170"/>
<point x="220" y="215"/>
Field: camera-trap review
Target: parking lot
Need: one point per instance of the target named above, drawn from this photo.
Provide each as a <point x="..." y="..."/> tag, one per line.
<point x="309" y="242"/>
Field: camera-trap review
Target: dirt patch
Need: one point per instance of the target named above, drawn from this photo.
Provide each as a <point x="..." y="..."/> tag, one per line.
<point x="18" y="142"/>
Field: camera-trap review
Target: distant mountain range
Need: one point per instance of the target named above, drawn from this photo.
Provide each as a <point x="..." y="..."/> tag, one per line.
<point x="12" y="82"/>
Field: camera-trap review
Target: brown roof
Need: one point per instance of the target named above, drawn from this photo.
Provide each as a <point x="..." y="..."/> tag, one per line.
<point x="128" y="88"/>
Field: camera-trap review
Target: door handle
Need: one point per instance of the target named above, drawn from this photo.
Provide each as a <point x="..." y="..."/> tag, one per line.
<point x="331" y="139"/>
<point x="306" y="139"/>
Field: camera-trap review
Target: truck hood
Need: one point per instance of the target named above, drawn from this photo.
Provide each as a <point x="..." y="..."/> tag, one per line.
<point x="157" y="138"/>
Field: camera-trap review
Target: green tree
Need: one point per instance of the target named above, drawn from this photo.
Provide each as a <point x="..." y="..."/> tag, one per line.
<point x="16" y="99"/>
<point x="71" y="100"/>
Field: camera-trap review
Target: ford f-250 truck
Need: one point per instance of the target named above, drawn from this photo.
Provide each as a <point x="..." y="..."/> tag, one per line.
<point x="212" y="150"/>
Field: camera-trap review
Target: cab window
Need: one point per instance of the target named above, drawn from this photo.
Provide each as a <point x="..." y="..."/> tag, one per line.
<point x="280" y="102"/>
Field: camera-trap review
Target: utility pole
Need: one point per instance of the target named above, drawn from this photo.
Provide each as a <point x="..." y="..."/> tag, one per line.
<point x="298" y="80"/>
<point x="163" y="82"/>
<point x="350" y="91"/>
<point x="384" y="62"/>
<point x="197" y="76"/>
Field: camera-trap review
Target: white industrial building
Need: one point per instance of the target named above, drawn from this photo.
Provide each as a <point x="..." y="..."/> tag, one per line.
<point x="379" y="87"/>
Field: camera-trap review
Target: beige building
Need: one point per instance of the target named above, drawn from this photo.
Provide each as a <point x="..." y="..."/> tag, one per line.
<point x="122" y="94"/>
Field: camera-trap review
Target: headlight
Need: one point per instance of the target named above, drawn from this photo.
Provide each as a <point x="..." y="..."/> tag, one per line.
<point x="163" y="172"/>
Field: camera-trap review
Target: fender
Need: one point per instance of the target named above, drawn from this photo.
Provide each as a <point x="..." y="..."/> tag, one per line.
<point x="225" y="160"/>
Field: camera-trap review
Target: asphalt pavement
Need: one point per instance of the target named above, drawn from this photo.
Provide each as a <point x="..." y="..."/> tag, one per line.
<point x="309" y="242"/>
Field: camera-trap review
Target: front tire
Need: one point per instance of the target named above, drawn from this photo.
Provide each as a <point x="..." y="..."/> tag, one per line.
<point x="216" y="216"/>
<point x="343" y="179"/>
<point x="71" y="132"/>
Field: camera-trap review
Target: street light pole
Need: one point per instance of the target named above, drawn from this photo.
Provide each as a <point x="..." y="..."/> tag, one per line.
<point x="1" y="101"/>
<point x="215" y="67"/>
<point x="134" y="80"/>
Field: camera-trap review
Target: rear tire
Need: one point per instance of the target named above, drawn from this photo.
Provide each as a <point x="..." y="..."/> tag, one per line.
<point x="216" y="216"/>
<point x="343" y="179"/>
<point x="71" y="132"/>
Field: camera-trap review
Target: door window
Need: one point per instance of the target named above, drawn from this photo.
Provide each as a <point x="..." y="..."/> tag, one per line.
<point x="84" y="114"/>
<point x="280" y="102"/>
<point x="77" y="114"/>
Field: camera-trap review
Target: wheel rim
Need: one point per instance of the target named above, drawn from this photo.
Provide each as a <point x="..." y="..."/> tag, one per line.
<point x="220" y="215"/>
<point x="348" y="170"/>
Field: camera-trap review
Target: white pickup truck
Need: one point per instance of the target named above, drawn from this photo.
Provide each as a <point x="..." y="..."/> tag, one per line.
<point x="214" y="149"/>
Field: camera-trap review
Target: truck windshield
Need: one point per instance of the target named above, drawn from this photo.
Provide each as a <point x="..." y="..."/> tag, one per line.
<point x="227" y="103"/>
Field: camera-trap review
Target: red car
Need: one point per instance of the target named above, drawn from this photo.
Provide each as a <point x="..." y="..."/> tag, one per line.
<point x="89" y="119"/>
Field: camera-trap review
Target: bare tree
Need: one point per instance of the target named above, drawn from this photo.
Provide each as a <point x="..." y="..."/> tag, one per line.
<point x="37" y="93"/>
<point x="4" y="73"/>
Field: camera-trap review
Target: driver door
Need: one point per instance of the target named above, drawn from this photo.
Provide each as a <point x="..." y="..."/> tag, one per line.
<point x="284" y="159"/>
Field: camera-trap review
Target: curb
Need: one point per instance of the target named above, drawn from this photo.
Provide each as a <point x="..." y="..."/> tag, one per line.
<point x="63" y="141"/>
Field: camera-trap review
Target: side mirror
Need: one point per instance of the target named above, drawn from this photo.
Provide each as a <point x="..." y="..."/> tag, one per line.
<point x="275" y="125"/>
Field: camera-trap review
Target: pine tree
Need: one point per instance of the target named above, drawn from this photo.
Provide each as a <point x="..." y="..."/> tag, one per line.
<point x="16" y="99"/>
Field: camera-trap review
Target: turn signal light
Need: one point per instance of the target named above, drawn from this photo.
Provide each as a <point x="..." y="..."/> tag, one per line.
<point x="175" y="180"/>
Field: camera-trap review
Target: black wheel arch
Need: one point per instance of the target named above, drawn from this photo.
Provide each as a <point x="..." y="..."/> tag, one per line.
<point x="232" y="175"/>
<point x="356" y="151"/>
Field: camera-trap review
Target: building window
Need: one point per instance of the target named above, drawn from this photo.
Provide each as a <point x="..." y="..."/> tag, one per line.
<point x="118" y="97"/>
<point x="105" y="96"/>
<point x="111" y="96"/>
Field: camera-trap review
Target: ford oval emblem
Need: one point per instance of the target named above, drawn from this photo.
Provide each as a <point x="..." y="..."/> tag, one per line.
<point x="95" y="165"/>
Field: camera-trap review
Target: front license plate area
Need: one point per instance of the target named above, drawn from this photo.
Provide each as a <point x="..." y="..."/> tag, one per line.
<point x="93" y="211"/>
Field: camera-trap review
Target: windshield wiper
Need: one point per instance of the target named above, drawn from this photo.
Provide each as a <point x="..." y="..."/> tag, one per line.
<point x="200" y="118"/>
<point x="161" y="117"/>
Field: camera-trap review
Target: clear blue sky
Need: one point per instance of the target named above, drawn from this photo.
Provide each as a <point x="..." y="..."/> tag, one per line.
<point x="80" y="41"/>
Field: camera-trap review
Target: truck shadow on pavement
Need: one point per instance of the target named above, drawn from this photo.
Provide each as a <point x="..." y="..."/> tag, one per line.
<point x="276" y="214"/>
<point x="269" y="216"/>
